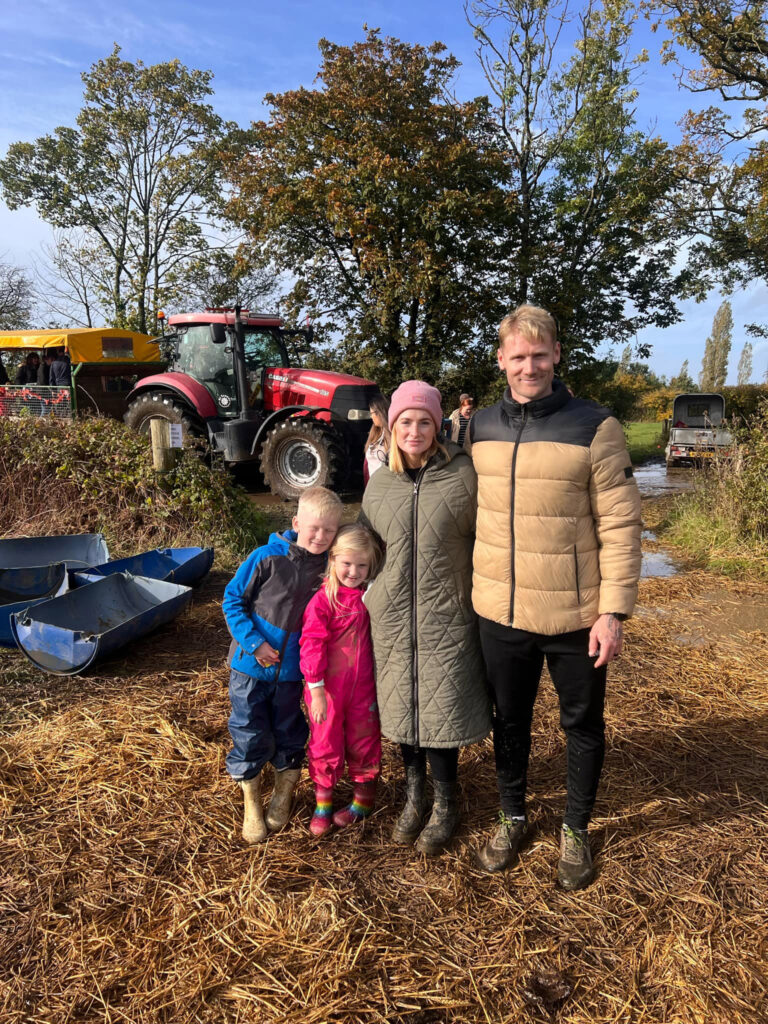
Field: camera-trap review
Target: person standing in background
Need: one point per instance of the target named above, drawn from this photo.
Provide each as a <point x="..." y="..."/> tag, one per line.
<point x="459" y="432"/>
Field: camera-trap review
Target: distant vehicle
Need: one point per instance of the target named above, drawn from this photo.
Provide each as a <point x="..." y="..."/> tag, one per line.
<point x="106" y="364"/>
<point x="232" y="383"/>
<point x="697" y="434"/>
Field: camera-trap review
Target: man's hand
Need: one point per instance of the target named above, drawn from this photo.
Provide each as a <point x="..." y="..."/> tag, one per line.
<point x="606" y="639"/>
<point x="266" y="655"/>
<point x="318" y="704"/>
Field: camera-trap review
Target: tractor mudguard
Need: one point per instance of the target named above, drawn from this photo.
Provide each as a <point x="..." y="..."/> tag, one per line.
<point x="195" y="393"/>
<point x="282" y="414"/>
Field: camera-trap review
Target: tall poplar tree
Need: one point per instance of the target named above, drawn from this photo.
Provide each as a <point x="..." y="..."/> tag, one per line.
<point x="744" y="372"/>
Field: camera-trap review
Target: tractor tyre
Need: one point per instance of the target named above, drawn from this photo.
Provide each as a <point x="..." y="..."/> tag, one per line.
<point x="300" y="453"/>
<point x="162" y="405"/>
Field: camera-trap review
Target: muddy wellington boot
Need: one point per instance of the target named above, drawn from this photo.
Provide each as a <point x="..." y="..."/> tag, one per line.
<point x="501" y="851"/>
<point x="574" y="869"/>
<point x="411" y="820"/>
<point x="442" y="821"/>
<point x="254" y="829"/>
<point x="279" y="810"/>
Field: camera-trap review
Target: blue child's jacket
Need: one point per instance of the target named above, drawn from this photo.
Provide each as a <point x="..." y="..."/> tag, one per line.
<point x="265" y="600"/>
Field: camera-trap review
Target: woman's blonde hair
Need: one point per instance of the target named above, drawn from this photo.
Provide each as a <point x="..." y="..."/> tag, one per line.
<point x="353" y="538"/>
<point x="397" y="460"/>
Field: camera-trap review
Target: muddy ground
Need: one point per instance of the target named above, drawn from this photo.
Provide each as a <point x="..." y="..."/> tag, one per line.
<point x="126" y="894"/>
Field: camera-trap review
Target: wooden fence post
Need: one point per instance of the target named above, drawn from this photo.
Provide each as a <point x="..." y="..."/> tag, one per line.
<point x="163" y="456"/>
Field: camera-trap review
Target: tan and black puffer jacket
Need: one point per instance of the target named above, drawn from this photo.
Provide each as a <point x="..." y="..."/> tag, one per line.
<point x="558" y="521"/>
<point x="430" y="677"/>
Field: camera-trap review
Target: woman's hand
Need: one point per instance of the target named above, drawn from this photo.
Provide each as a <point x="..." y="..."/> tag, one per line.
<point x="318" y="704"/>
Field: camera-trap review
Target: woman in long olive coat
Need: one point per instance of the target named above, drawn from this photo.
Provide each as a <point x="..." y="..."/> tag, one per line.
<point x="429" y="668"/>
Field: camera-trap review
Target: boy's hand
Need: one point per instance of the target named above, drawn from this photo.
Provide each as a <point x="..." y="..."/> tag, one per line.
<point x="318" y="705"/>
<point x="266" y="655"/>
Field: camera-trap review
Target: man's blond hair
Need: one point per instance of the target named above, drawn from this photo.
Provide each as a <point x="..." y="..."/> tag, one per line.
<point x="533" y="322"/>
<point x="321" y="502"/>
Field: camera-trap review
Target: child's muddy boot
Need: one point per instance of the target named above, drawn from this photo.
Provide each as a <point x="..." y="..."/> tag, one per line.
<point x="321" y="819"/>
<point x="363" y="799"/>
<point x="411" y="820"/>
<point x="279" y="810"/>
<point x="442" y="821"/>
<point x="254" y="829"/>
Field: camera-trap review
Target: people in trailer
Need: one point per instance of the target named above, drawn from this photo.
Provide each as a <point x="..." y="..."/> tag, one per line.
<point x="379" y="437"/>
<point x="60" y="375"/>
<point x="263" y="606"/>
<point x="44" y="372"/>
<point x="557" y="561"/>
<point x="460" y="419"/>
<point x="27" y="373"/>
<point x="430" y="681"/>
<point x="340" y="694"/>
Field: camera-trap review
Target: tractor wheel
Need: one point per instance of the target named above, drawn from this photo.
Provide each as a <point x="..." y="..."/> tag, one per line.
<point x="162" y="405"/>
<point x="301" y="453"/>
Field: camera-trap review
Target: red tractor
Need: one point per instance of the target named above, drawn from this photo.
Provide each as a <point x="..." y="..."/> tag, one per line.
<point x="230" y="382"/>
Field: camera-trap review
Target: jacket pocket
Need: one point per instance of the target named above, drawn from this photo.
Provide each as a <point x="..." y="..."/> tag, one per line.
<point x="576" y="571"/>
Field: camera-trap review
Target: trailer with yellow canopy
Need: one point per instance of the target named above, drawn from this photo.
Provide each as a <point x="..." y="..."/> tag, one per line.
<point x="106" y="364"/>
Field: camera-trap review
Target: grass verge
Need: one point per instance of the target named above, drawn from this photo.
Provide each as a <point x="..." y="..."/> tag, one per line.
<point x="644" y="441"/>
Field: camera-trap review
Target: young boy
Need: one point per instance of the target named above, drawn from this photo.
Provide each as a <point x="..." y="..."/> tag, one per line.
<point x="263" y="605"/>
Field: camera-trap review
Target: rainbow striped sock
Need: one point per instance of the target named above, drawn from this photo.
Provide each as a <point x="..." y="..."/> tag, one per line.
<point x="321" y="817"/>
<point x="363" y="799"/>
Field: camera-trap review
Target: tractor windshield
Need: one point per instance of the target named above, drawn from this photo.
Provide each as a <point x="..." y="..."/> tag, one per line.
<point x="210" y="364"/>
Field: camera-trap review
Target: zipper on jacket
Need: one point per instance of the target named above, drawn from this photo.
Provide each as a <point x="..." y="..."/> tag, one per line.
<point x="576" y="565"/>
<point x="414" y="585"/>
<point x="512" y="515"/>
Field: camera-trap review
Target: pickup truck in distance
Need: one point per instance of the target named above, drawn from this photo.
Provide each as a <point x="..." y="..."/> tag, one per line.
<point x="697" y="434"/>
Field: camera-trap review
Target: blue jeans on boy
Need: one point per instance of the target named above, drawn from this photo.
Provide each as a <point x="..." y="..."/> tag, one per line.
<point x="266" y="724"/>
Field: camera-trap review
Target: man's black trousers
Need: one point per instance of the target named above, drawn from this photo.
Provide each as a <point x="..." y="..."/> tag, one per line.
<point x="514" y="659"/>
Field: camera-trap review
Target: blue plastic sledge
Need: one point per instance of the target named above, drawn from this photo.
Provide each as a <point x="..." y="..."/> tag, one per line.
<point x="175" y="565"/>
<point x="77" y="551"/>
<point x="67" y="634"/>
<point x="22" y="588"/>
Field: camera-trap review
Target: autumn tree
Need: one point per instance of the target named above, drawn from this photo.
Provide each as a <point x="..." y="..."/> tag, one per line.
<point x="714" y="367"/>
<point x="723" y="158"/>
<point x="683" y="382"/>
<point x="379" y="194"/>
<point x="587" y="235"/>
<point x="135" y="173"/>
<point x="744" y="371"/>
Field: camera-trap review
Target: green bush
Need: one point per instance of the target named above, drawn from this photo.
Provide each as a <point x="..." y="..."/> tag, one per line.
<point x="95" y="475"/>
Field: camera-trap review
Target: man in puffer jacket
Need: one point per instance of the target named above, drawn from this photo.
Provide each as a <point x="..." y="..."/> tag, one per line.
<point x="556" y="567"/>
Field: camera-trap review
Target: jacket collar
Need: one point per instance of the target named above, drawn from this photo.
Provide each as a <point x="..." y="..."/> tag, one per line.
<point x="539" y="407"/>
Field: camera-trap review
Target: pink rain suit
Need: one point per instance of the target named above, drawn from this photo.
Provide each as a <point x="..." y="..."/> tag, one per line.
<point x="336" y="647"/>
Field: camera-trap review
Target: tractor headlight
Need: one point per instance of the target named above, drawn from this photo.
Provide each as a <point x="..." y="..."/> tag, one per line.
<point x="359" y="414"/>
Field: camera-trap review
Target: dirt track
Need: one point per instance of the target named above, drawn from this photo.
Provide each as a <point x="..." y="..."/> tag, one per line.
<point x="126" y="894"/>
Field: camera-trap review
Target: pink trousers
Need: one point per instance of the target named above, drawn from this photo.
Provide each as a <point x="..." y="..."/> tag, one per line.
<point x="350" y="732"/>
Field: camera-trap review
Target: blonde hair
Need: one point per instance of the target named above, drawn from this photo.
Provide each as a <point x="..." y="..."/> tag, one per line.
<point x="356" y="539"/>
<point x="321" y="502"/>
<point x="533" y="322"/>
<point x="397" y="462"/>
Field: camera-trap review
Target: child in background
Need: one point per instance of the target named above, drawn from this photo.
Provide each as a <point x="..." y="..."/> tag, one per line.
<point x="263" y="606"/>
<point x="337" y="664"/>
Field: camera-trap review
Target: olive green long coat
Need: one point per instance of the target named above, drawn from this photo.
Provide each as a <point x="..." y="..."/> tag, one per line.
<point x="430" y="678"/>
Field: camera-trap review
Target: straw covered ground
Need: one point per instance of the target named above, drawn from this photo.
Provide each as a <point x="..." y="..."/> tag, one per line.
<point x="127" y="895"/>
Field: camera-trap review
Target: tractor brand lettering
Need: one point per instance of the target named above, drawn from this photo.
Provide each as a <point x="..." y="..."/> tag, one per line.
<point x="298" y="384"/>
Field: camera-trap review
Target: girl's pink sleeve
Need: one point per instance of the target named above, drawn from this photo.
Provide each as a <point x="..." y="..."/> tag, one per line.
<point x="315" y="633"/>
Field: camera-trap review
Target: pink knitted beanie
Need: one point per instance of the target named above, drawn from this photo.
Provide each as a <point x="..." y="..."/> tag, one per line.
<point x="416" y="394"/>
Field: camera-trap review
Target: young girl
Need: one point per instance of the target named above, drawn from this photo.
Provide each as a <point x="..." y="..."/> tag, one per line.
<point x="337" y="664"/>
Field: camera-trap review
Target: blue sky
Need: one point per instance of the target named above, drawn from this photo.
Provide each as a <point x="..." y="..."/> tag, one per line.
<point x="259" y="47"/>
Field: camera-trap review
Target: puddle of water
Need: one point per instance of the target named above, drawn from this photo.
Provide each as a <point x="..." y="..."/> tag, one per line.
<point x="713" y="614"/>
<point x="656" y="563"/>
<point x="654" y="480"/>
